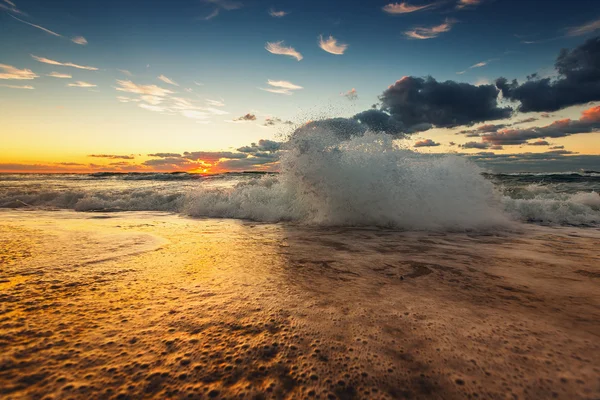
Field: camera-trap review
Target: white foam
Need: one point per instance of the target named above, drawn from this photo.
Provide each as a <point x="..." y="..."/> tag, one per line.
<point x="581" y="208"/>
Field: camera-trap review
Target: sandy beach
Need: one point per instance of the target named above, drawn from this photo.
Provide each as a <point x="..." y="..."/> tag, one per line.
<point x="154" y="305"/>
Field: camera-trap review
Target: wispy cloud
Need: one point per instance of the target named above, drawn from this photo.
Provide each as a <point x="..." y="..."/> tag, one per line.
<point x="405" y="8"/>
<point x="10" y="6"/>
<point x="59" y="75"/>
<point x="331" y="45"/>
<point x="541" y="40"/>
<point x="214" y="111"/>
<point x="279" y="48"/>
<point x="589" y="27"/>
<point x="198" y="83"/>
<point x="79" y="40"/>
<point x="277" y="14"/>
<point x="38" y="27"/>
<point x="212" y="15"/>
<point x="215" y="103"/>
<point x="10" y="72"/>
<point x="478" y="65"/>
<point x="167" y="80"/>
<point x="432" y="32"/>
<point x="68" y="64"/>
<point x="193" y="114"/>
<point x="125" y="72"/>
<point x="277" y="91"/>
<point x="154" y="100"/>
<point x="281" y="87"/>
<point x="151" y="90"/>
<point x="124" y="99"/>
<point x="284" y="85"/>
<point x="468" y="3"/>
<point x="181" y="104"/>
<point x="18" y="87"/>
<point x="152" y="108"/>
<point x="226" y="5"/>
<point x="157" y="99"/>
<point x="82" y="84"/>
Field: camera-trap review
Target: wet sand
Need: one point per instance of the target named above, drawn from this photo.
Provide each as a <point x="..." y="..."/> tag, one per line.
<point x="132" y="305"/>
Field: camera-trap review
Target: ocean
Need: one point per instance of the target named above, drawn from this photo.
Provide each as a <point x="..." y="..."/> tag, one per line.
<point x="570" y="198"/>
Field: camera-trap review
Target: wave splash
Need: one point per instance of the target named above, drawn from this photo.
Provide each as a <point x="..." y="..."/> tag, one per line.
<point x="361" y="180"/>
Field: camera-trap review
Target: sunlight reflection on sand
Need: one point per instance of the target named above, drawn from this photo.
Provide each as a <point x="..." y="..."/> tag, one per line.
<point x="150" y="304"/>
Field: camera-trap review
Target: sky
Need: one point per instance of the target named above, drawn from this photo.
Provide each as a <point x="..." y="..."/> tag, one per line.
<point x="214" y="85"/>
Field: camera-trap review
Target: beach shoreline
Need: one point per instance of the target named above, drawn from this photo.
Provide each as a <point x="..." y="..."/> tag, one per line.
<point x="150" y="304"/>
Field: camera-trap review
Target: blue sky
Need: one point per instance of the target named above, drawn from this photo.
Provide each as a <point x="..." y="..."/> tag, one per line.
<point x="220" y="44"/>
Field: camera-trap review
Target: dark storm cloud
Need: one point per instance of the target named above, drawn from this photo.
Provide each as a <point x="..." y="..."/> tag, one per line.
<point x="415" y="101"/>
<point x="426" y="143"/>
<point x="415" y="104"/>
<point x="578" y="81"/>
<point x="379" y="121"/>
<point x="112" y="156"/>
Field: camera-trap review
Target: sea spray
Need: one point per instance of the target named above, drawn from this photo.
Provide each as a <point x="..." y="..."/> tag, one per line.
<point x="361" y="180"/>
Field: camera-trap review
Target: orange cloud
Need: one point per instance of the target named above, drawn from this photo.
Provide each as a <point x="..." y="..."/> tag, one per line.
<point x="591" y="114"/>
<point x="432" y="32"/>
<point x="405" y="8"/>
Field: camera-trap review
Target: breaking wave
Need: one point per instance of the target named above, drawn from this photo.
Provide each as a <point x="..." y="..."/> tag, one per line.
<point x="330" y="177"/>
<point x="364" y="180"/>
<point x="581" y="208"/>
